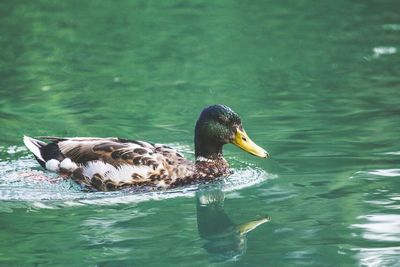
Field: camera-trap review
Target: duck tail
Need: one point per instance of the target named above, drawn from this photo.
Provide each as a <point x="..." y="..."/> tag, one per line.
<point x="35" y="146"/>
<point x="46" y="154"/>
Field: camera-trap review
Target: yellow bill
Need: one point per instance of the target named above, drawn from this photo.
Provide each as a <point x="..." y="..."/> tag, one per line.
<point x="244" y="142"/>
<point x="247" y="227"/>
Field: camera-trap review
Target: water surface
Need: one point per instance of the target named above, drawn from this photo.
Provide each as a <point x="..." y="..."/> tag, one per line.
<point x="316" y="84"/>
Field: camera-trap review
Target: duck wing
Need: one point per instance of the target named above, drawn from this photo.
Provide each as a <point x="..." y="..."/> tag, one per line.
<point x="111" y="163"/>
<point x="114" y="151"/>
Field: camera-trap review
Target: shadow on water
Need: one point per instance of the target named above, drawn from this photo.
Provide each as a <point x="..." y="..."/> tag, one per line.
<point x="222" y="236"/>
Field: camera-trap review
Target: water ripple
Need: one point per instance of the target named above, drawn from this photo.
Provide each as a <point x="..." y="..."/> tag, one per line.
<point x="376" y="257"/>
<point x="20" y="182"/>
<point x="380" y="227"/>
<point x="386" y="172"/>
<point x="384" y="50"/>
<point x="392" y="27"/>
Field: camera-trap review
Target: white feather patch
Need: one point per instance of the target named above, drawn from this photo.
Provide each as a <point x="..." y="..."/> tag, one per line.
<point x="33" y="147"/>
<point x="93" y="167"/>
<point x="162" y="183"/>
<point x="68" y="164"/>
<point x="124" y="173"/>
<point x="53" y="165"/>
<point x="116" y="174"/>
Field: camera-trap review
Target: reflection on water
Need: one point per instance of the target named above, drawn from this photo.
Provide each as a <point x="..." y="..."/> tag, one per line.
<point x="222" y="236"/>
<point x="377" y="257"/>
<point x="383" y="228"/>
<point x="380" y="227"/>
<point x="379" y="51"/>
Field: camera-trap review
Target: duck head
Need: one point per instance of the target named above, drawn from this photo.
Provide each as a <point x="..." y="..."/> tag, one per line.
<point x="219" y="125"/>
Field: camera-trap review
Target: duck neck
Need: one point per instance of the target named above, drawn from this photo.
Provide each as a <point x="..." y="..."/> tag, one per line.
<point x="210" y="162"/>
<point x="205" y="150"/>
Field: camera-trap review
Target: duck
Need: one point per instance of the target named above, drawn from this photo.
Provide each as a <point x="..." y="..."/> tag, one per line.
<point x="112" y="163"/>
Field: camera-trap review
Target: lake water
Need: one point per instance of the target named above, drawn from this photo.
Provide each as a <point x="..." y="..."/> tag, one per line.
<point x="316" y="83"/>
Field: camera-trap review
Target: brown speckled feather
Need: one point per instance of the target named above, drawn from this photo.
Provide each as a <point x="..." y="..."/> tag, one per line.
<point x="111" y="163"/>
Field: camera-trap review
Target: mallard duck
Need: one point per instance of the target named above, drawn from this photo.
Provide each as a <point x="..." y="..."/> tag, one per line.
<point x="106" y="164"/>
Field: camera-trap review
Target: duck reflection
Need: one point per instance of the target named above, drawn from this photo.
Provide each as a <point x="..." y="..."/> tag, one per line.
<point x="222" y="236"/>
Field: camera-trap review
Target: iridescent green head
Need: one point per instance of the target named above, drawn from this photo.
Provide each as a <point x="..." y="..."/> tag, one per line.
<point x="219" y="125"/>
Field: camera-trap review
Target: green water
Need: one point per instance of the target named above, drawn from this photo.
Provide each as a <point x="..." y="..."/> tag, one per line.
<point x="317" y="84"/>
